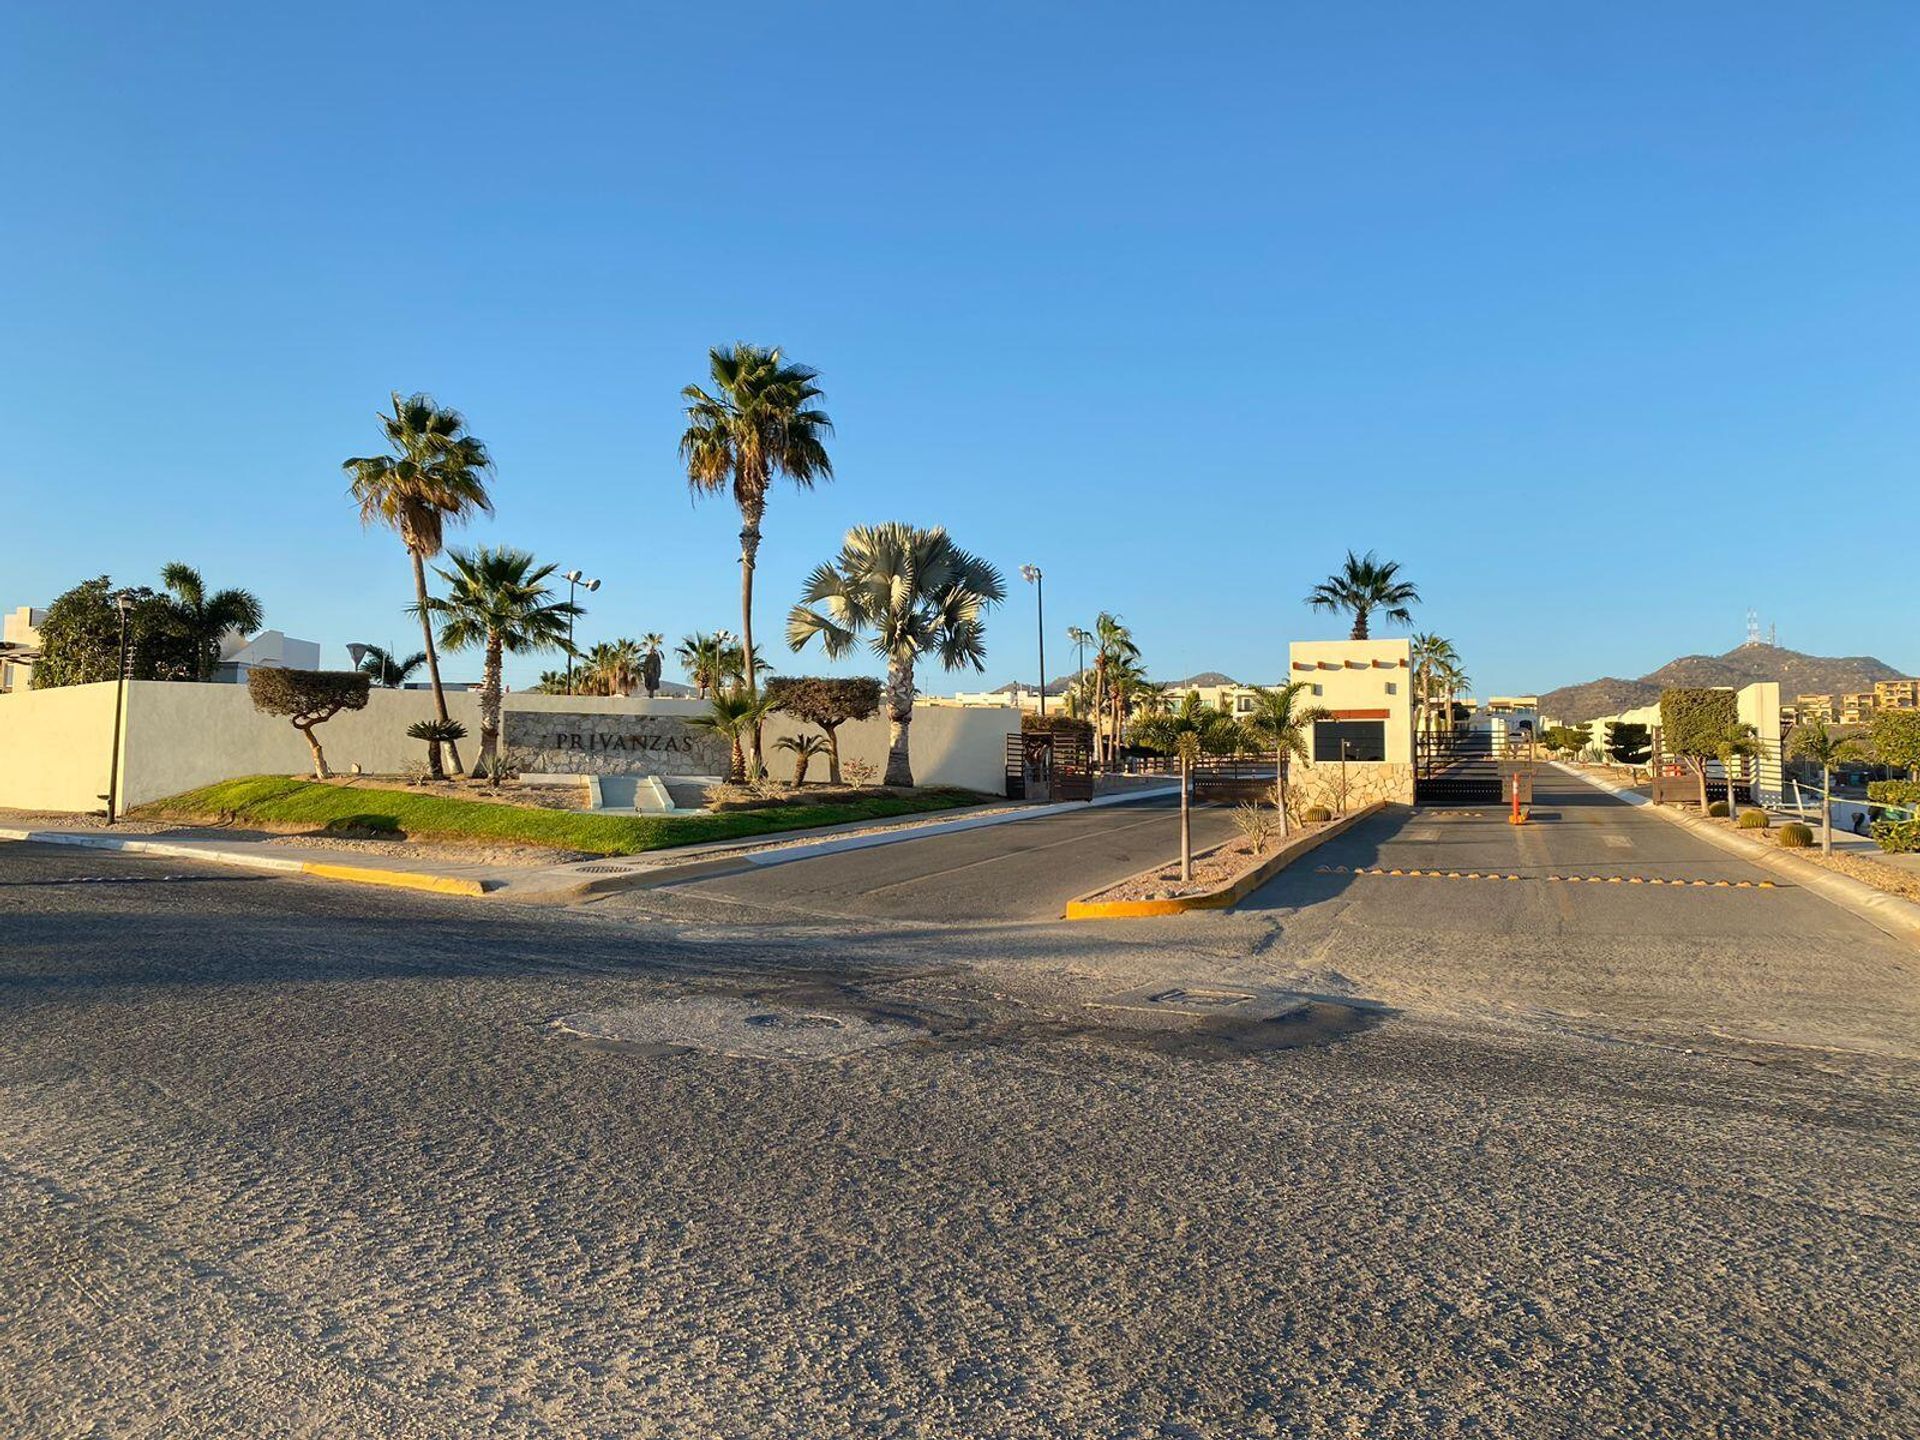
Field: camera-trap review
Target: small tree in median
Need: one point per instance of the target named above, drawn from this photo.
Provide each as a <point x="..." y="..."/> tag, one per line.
<point x="1693" y="725"/>
<point x="1738" y="742"/>
<point x="308" y="698"/>
<point x="1628" y="744"/>
<point x="828" y="701"/>
<point x="1824" y="749"/>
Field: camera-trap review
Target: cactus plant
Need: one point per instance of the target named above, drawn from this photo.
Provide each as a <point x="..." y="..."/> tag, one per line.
<point x="1795" y="836"/>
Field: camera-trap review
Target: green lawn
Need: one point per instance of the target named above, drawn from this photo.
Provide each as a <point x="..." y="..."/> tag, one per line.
<point x="277" y="800"/>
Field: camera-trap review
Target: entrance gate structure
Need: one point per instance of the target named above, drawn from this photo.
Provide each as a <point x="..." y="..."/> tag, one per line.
<point x="1049" y="765"/>
<point x="1464" y="767"/>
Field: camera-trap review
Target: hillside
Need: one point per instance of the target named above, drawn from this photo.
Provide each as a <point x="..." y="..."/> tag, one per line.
<point x="1795" y="672"/>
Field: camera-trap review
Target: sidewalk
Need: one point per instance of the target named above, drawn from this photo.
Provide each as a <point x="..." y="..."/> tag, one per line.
<point x="560" y="882"/>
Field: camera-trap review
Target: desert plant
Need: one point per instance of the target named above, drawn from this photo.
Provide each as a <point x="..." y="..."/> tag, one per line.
<point x="1362" y="586"/>
<point x="436" y="733"/>
<point x="860" y="772"/>
<point x="435" y="477"/>
<point x="308" y="698"/>
<point x="1794" y="836"/>
<point x="1718" y="810"/>
<point x="803" y="748"/>
<point x="918" y="594"/>
<point x="828" y="701"/>
<point x="387" y="670"/>
<point x="1277" y="721"/>
<point x="1693" y="724"/>
<point x="1255" y="824"/>
<point x="1822" y="747"/>
<point x="1753" y="820"/>
<point x="498" y="600"/>
<point x="1316" y="815"/>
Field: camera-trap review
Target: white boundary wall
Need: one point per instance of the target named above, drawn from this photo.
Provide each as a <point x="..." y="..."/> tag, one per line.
<point x="175" y="737"/>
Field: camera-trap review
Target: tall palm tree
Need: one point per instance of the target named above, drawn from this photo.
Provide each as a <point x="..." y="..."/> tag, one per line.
<point x="1815" y="743"/>
<point x="499" y="600"/>
<point x="918" y="593"/>
<point x="435" y="477"/>
<point x="1362" y="586"/>
<point x="1112" y="646"/>
<point x="388" y="670"/>
<point x="704" y="658"/>
<point x="1431" y="654"/>
<point x="760" y="421"/>
<point x="651" y="644"/>
<point x="613" y="667"/>
<point x="202" y="620"/>
<point x="1281" y="721"/>
<point x="1126" y="681"/>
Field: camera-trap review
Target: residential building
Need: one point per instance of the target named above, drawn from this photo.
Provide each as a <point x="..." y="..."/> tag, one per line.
<point x="19" y="646"/>
<point x="1856" y="709"/>
<point x="269" y="650"/>
<point x="1810" y="708"/>
<point x="1513" y="705"/>
<point x="1896" y="695"/>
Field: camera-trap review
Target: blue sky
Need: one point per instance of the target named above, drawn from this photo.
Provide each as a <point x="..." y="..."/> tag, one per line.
<point x="1602" y="320"/>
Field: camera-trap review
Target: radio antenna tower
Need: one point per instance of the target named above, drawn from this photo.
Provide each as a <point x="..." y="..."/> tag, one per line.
<point x="1753" y="627"/>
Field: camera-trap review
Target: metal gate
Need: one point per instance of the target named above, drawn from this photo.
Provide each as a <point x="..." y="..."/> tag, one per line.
<point x="1044" y="766"/>
<point x="1462" y="767"/>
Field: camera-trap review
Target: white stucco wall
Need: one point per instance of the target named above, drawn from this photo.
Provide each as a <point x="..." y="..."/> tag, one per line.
<point x="1359" y="679"/>
<point x="53" y="743"/>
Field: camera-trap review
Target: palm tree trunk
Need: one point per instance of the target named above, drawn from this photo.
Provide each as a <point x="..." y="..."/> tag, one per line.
<point x="749" y="551"/>
<point x="899" y="717"/>
<point x="1186" y="819"/>
<point x="490" y="702"/>
<point x="1286" y="825"/>
<point x="1826" y="810"/>
<point x="433" y="656"/>
<point x="1360" y="623"/>
<point x="1099" y="707"/>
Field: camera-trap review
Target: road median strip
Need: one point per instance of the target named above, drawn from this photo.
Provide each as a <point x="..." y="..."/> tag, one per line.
<point x="1221" y="897"/>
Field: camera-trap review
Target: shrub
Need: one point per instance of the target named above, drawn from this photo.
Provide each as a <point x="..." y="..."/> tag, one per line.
<point x="1753" y="820"/>
<point x="1055" y="723"/>
<point x="1895" y="792"/>
<point x="1896" y="837"/>
<point x="1795" y="836"/>
<point x="1718" y="809"/>
<point x="308" y="697"/>
<point x="860" y="772"/>
<point x="1896" y="738"/>
<point x="1255" y="824"/>
<point x="1316" y="814"/>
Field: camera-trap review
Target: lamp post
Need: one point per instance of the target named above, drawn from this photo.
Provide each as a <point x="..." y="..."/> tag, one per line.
<point x="575" y="581"/>
<point x="124" y="601"/>
<point x="1031" y="574"/>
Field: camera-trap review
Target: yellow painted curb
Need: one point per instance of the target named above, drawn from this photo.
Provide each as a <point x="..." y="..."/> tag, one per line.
<point x="398" y="879"/>
<point x="1083" y="908"/>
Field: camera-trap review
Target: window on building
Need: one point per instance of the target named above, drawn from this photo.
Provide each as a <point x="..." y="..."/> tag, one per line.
<point x="1365" y="740"/>
<point x="1244" y="704"/>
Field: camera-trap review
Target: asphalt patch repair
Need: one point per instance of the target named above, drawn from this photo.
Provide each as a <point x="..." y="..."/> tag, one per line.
<point x="811" y="1022"/>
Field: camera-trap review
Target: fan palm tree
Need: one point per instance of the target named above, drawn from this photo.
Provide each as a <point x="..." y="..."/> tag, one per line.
<point x="733" y="715"/>
<point x="435" y="477"/>
<point x="1126" y="679"/>
<point x="551" y="682"/>
<point x="760" y="422"/>
<point x="202" y="620"/>
<point x="1281" y="721"/>
<point x="803" y="748"/>
<point x="918" y="593"/>
<point x="1362" y="586"/>
<point x="386" y="670"/>
<point x="498" y="600"/>
<point x="613" y="667"/>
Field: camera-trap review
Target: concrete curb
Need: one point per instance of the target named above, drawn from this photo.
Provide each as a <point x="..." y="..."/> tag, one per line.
<point x="1887" y="913"/>
<point x="274" y="864"/>
<point x="1084" y="907"/>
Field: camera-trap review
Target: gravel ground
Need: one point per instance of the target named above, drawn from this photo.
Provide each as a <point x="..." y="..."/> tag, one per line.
<point x="280" y="1159"/>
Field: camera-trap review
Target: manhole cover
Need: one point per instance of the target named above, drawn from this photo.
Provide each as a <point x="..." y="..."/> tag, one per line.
<point x="607" y="869"/>
<point x="724" y="1025"/>
<point x="1200" y="1000"/>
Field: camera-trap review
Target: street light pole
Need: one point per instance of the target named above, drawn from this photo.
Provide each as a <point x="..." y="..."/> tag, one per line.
<point x="1031" y="574"/>
<point x="575" y="580"/>
<point x="124" y="601"/>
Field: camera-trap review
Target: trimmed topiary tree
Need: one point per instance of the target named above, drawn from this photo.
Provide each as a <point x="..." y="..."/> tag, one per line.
<point x="1694" y="725"/>
<point x="1628" y="744"/>
<point x="828" y="701"/>
<point x="308" y="698"/>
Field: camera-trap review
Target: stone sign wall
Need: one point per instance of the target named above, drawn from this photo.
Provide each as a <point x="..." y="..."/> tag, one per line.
<point x="557" y="742"/>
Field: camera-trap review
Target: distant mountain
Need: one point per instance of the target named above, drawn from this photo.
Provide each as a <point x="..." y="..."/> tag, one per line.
<point x="1796" y="673"/>
<point x="1054" y="687"/>
<point x="1200" y="681"/>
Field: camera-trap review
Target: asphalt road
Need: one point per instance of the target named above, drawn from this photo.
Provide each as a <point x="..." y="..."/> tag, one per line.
<point x="279" y="1158"/>
<point x="1023" y="871"/>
